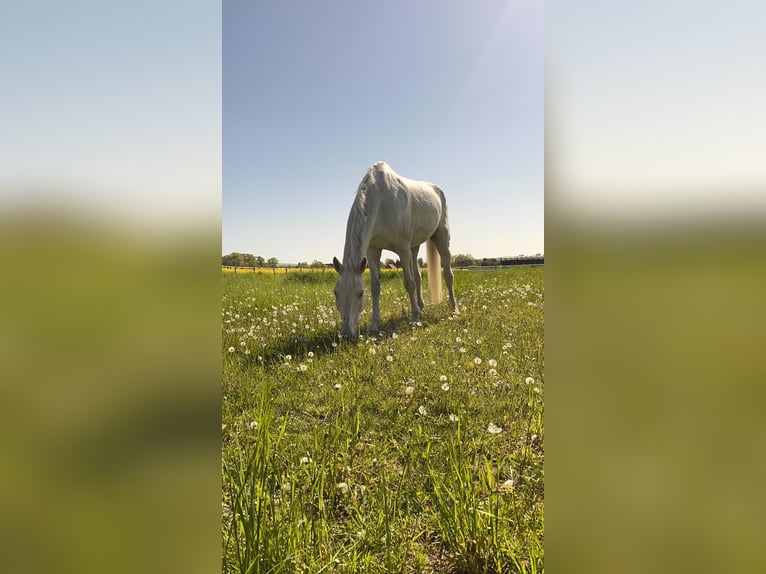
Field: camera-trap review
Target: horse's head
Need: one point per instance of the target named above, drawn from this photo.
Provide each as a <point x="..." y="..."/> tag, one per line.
<point x="349" y="296"/>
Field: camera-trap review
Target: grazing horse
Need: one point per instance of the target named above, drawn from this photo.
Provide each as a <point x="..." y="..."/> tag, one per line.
<point x="398" y="214"/>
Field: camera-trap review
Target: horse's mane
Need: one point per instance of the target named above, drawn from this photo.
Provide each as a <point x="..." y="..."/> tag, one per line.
<point x="358" y="219"/>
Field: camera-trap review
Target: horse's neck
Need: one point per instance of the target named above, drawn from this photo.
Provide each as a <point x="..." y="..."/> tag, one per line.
<point x="361" y="222"/>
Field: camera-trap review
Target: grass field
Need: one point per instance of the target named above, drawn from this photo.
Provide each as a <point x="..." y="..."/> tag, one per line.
<point x="420" y="450"/>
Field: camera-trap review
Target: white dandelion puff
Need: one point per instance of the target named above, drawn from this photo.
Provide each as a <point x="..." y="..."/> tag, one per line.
<point x="443" y="378"/>
<point x="409" y="390"/>
<point x="445" y="387"/>
<point x="453" y="418"/>
<point x="336" y="386"/>
<point x="422" y="410"/>
<point x="343" y="487"/>
<point x="477" y="361"/>
<point x="530" y="381"/>
<point x="389" y="358"/>
<point x="231" y="349"/>
<point x="492" y="428"/>
<point x="492" y="363"/>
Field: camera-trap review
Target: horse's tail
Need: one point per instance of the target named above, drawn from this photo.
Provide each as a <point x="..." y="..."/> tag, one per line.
<point x="434" y="266"/>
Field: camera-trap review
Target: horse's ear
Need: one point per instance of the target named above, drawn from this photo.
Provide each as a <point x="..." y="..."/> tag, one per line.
<point x="337" y="265"/>
<point x="363" y="265"/>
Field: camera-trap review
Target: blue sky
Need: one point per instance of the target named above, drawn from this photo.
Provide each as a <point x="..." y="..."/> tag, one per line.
<point x="112" y="108"/>
<point x="445" y="91"/>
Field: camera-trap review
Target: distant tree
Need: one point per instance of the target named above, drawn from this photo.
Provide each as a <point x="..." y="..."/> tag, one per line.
<point x="302" y="264"/>
<point x="260" y="261"/>
<point x="233" y="259"/>
<point x="248" y="259"/>
<point x="420" y="262"/>
<point x="272" y="262"/>
<point x="488" y="262"/>
<point x="317" y="264"/>
<point x="461" y="260"/>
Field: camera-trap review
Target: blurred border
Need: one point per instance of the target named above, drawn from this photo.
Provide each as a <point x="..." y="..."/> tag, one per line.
<point x="655" y="243"/>
<point x="110" y="187"/>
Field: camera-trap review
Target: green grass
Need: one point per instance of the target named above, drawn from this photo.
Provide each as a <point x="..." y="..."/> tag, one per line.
<point x="363" y="458"/>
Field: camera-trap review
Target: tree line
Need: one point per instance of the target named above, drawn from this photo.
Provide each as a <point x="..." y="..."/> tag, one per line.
<point x="460" y="260"/>
<point x="236" y="259"/>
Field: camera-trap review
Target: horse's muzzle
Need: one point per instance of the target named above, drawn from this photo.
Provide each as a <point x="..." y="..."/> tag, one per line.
<point x="349" y="334"/>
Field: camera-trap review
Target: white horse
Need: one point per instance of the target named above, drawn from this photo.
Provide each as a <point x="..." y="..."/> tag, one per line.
<point x="395" y="213"/>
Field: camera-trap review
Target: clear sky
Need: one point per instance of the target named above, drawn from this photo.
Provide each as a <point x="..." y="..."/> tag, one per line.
<point x="446" y="91"/>
<point x="112" y="108"/>
<point x="656" y="109"/>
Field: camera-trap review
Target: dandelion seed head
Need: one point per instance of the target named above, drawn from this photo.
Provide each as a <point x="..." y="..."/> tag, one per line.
<point x="389" y="358"/>
<point x="336" y="386"/>
<point x="443" y="378"/>
<point x="422" y="410"/>
<point x="302" y="368"/>
<point x="453" y="417"/>
<point x="343" y="487"/>
<point x="445" y="387"/>
<point x="492" y="363"/>
<point x="530" y="381"/>
<point x="492" y="428"/>
<point x="477" y="361"/>
<point x="231" y="349"/>
<point x="409" y="390"/>
<point x="493" y="372"/>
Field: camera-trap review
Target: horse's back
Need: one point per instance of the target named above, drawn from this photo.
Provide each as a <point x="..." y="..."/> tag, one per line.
<point x="407" y="206"/>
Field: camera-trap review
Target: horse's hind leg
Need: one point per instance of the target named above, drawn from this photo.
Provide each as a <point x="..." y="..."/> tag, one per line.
<point x="416" y="273"/>
<point x="373" y="262"/>
<point x="405" y="254"/>
<point x="441" y="240"/>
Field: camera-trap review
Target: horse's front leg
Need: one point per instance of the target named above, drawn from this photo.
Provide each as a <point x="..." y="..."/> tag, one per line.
<point x="373" y="262"/>
<point x="416" y="275"/>
<point x="409" y="281"/>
